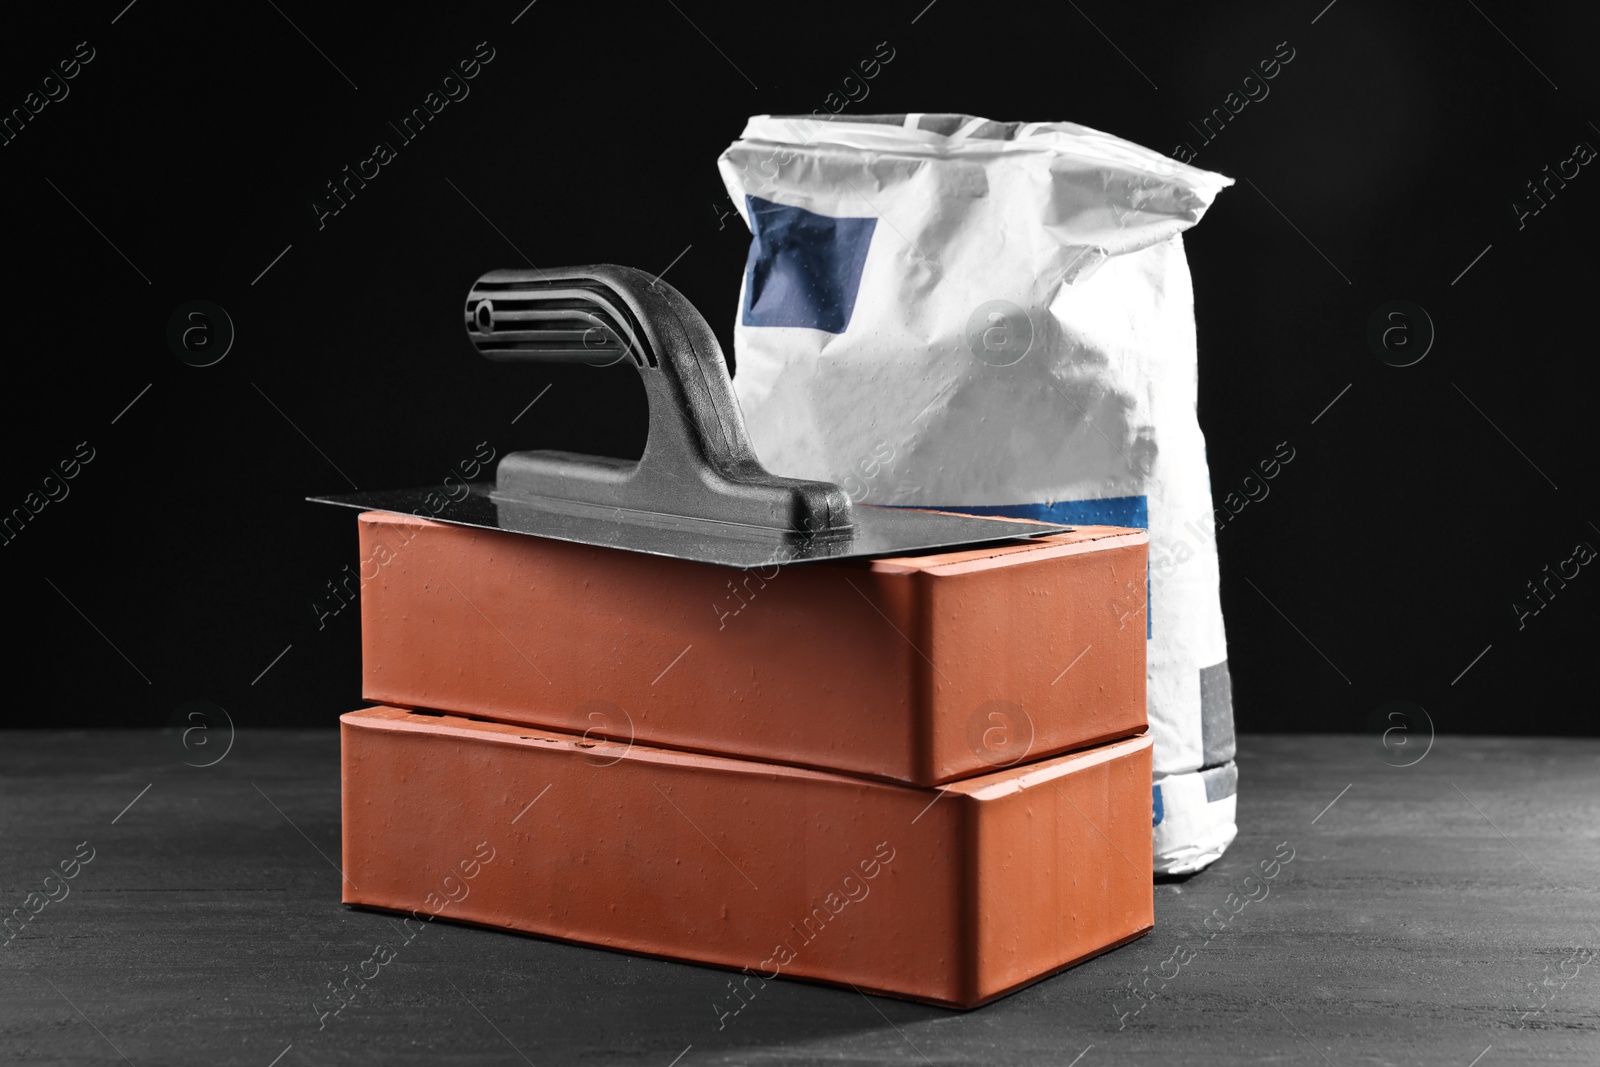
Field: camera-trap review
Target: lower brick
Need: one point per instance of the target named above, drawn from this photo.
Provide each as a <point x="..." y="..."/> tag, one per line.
<point x="953" y="895"/>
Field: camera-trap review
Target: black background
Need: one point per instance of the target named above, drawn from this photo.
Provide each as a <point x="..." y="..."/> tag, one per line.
<point x="185" y="560"/>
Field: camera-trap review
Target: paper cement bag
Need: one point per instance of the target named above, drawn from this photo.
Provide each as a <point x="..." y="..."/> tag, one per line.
<point x="943" y="311"/>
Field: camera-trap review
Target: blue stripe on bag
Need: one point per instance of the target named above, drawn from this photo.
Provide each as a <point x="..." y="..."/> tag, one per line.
<point x="1158" y="809"/>
<point x="804" y="269"/>
<point x="1107" y="511"/>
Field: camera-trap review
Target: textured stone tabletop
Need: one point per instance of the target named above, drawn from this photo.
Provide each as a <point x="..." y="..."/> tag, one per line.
<point x="1446" y="912"/>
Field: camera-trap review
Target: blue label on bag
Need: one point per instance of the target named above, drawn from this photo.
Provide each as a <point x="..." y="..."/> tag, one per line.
<point x="804" y="269"/>
<point x="1158" y="809"/>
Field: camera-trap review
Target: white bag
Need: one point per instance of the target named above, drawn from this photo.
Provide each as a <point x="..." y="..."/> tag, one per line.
<point x="943" y="311"/>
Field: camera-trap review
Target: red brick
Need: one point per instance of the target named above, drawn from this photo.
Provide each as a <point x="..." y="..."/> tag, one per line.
<point x="953" y="895"/>
<point x="920" y="669"/>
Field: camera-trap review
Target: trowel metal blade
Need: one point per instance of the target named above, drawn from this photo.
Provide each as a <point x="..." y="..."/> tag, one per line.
<point x="879" y="531"/>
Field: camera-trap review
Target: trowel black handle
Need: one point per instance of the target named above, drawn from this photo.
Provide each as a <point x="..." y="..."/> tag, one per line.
<point x="698" y="465"/>
<point x="537" y="316"/>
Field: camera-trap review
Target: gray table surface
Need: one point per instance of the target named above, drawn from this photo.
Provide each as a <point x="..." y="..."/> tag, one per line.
<point x="1446" y="912"/>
